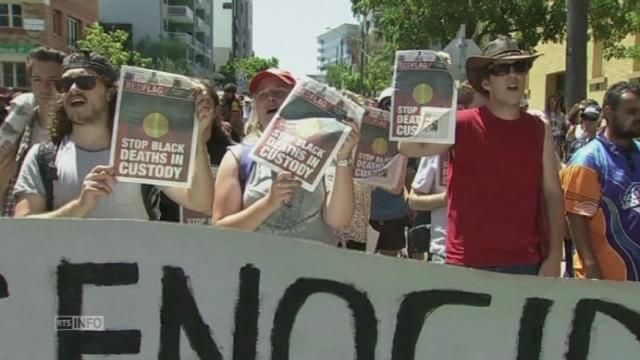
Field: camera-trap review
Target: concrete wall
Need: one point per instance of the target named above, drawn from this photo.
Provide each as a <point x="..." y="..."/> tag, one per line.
<point x="542" y="82"/>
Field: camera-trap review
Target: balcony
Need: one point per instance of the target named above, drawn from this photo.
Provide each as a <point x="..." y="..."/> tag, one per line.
<point x="200" y="4"/>
<point x="201" y="48"/>
<point x="184" y="37"/>
<point x="321" y="59"/>
<point x="180" y="14"/>
<point x="201" y="25"/>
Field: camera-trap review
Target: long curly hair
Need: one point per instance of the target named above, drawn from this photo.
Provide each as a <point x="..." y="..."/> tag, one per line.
<point x="61" y="125"/>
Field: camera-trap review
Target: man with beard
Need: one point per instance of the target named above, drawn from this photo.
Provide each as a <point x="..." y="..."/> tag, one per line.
<point x="81" y="184"/>
<point x="44" y="67"/>
<point x="602" y="192"/>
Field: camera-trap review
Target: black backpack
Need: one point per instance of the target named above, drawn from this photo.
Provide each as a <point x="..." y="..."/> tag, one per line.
<point x="46" y="160"/>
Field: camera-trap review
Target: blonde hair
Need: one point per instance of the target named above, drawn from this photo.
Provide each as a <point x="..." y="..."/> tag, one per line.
<point x="253" y="126"/>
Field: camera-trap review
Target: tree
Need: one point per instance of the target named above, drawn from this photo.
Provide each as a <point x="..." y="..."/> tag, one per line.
<point x="251" y="66"/>
<point x="111" y="45"/>
<point x="425" y="23"/>
<point x="341" y="76"/>
<point x="167" y="54"/>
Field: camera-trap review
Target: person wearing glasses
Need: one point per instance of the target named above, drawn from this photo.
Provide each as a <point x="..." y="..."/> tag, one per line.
<point x="83" y="184"/>
<point x="503" y="167"/>
<point x="44" y="67"/>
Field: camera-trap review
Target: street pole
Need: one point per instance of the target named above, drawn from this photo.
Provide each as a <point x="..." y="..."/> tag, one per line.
<point x="362" y="50"/>
<point x="576" y="75"/>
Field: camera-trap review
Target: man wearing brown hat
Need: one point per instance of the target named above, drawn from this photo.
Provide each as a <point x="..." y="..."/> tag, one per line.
<point x="502" y="169"/>
<point x="81" y="184"/>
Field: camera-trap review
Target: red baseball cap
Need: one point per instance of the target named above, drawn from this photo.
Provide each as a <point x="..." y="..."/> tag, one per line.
<point x="282" y="75"/>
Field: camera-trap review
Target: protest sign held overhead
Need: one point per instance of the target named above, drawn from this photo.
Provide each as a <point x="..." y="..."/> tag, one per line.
<point x="375" y="154"/>
<point x="155" y="131"/>
<point x="423" y="107"/>
<point x="307" y="132"/>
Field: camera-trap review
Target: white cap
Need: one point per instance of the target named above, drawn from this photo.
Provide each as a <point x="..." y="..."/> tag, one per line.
<point x="388" y="92"/>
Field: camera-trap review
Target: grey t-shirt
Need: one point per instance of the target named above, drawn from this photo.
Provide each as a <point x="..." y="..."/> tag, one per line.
<point x="302" y="219"/>
<point x="431" y="179"/>
<point x="73" y="165"/>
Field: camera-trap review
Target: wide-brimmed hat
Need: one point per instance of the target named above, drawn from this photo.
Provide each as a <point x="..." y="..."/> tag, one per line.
<point x="502" y="49"/>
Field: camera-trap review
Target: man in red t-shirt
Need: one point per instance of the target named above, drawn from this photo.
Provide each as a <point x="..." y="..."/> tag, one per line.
<point x="502" y="171"/>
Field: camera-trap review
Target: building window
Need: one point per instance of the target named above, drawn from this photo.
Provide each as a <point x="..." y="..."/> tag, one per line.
<point x="57" y="22"/>
<point x="14" y="75"/>
<point x="73" y="31"/>
<point x="11" y="15"/>
<point x="596" y="67"/>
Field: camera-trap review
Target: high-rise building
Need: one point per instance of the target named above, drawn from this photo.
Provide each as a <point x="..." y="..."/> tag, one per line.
<point x="338" y="46"/>
<point x="233" y="30"/>
<point x="27" y="24"/>
<point x="190" y="21"/>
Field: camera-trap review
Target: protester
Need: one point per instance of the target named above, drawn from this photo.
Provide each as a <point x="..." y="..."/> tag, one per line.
<point x="468" y="97"/>
<point x="501" y="161"/>
<point x="390" y="214"/>
<point x="554" y="111"/>
<point x="602" y="195"/>
<point x="575" y="130"/>
<point x="251" y="197"/>
<point x="231" y="112"/>
<point x="44" y="67"/>
<point x="429" y="188"/>
<point x="589" y="118"/>
<point x="82" y="185"/>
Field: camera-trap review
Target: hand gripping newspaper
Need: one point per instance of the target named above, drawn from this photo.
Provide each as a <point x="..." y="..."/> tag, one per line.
<point x="155" y="131"/>
<point x="423" y="105"/>
<point x="307" y="132"/>
<point x="377" y="160"/>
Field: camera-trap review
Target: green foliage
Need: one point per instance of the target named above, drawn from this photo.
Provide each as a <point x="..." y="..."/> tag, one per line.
<point x="167" y="54"/>
<point x="111" y="45"/>
<point x="341" y="76"/>
<point x="251" y="65"/>
<point x="411" y="24"/>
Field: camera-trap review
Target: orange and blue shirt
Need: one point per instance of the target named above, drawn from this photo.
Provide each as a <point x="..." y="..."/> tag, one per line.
<point x="602" y="182"/>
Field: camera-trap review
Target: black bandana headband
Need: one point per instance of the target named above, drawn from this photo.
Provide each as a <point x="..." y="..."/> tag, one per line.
<point x="85" y="59"/>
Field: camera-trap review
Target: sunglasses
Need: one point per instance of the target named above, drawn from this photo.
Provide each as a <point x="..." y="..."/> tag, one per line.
<point x="520" y="67"/>
<point x="84" y="82"/>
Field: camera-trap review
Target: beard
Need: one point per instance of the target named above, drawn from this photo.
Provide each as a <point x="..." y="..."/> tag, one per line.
<point x="625" y="132"/>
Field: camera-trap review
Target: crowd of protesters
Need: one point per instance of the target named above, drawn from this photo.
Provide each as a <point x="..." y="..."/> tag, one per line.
<point x="499" y="199"/>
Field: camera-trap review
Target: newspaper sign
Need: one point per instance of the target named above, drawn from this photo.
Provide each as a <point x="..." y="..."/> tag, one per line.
<point x="423" y="107"/>
<point x="307" y="132"/>
<point x="391" y="176"/>
<point x="16" y="121"/>
<point x="155" y="130"/>
<point x="375" y="153"/>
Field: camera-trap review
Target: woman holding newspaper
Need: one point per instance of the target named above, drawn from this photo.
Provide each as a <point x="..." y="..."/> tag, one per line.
<point x="252" y="197"/>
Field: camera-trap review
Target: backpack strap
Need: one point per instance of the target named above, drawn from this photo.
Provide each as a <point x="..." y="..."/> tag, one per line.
<point x="245" y="164"/>
<point x="151" y="200"/>
<point x="46" y="160"/>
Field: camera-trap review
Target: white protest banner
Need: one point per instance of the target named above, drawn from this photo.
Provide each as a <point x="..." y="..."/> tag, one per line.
<point x="139" y="290"/>
<point x="155" y="131"/>
<point x="423" y="105"/>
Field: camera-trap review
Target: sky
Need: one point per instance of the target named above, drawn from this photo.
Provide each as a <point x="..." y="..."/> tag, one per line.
<point x="287" y="29"/>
